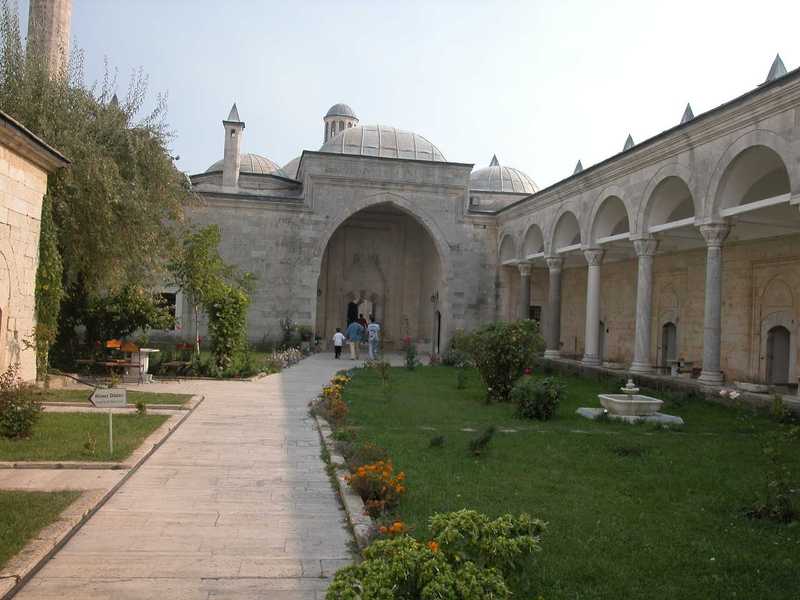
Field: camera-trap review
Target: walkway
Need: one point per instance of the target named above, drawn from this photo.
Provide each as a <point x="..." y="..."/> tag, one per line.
<point x="236" y="504"/>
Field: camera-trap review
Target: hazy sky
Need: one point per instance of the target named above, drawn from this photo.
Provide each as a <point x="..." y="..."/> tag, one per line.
<point x="541" y="84"/>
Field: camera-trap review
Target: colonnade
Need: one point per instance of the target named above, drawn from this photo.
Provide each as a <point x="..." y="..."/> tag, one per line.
<point x="645" y="247"/>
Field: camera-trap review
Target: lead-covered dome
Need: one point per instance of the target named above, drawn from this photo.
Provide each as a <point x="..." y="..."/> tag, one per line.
<point x="341" y="110"/>
<point x="498" y="178"/>
<point x="290" y="168"/>
<point x="250" y="163"/>
<point x="383" y="141"/>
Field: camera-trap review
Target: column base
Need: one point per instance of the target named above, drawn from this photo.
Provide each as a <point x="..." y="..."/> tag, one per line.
<point x="552" y="354"/>
<point x="640" y="367"/>
<point x="591" y="361"/>
<point x="710" y="378"/>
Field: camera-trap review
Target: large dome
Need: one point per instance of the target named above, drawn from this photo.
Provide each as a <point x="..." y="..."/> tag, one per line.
<point x="251" y="163"/>
<point x="497" y="178"/>
<point x="341" y="110"/>
<point x="383" y="141"/>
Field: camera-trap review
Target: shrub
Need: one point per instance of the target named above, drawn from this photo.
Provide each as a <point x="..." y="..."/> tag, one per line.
<point x="141" y="408"/>
<point x="365" y="453"/>
<point x="227" y="324"/>
<point x="410" y="350"/>
<point x="537" y="399"/>
<point x="455" y="358"/>
<point x="19" y="409"/>
<point x="501" y="351"/>
<point x="469" y="558"/>
<point x="479" y="444"/>
<point x="378" y="486"/>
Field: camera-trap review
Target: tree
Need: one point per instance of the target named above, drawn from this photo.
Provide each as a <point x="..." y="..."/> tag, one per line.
<point x="216" y="287"/>
<point x="115" y="210"/>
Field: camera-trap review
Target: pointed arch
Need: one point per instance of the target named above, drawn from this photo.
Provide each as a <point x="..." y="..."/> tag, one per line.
<point x="565" y="231"/>
<point x="670" y="195"/>
<point x="507" y="250"/>
<point x="533" y="242"/>
<point x="610" y="216"/>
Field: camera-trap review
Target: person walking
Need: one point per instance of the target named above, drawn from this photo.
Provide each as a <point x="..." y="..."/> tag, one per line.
<point x="338" y="342"/>
<point x="373" y="337"/>
<point x="355" y="334"/>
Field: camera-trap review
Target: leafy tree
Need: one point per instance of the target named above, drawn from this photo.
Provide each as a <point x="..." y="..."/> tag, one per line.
<point x="200" y="272"/>
<point x="48" y="289"/>
<point x="114" y="210"/>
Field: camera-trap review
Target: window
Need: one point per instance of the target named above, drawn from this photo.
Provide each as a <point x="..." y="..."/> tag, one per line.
<point x="170" y="301"/>
<point x="535" y="313"/>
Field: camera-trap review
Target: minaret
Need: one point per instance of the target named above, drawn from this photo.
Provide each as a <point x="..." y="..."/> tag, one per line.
<point x="338" y="118"/>
<point x="232" y="159"/>
<point x="49" y="32"/>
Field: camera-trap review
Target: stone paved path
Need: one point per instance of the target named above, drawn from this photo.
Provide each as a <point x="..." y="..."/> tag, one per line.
<point x="236" y="504"/>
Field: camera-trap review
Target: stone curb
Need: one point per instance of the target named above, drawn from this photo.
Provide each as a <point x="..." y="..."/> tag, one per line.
<point x="362" y="525"/>
<point x="19" y="570"/>
<point x="188" y="405"/>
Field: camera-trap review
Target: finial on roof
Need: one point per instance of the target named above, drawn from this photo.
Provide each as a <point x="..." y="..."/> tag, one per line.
<point x="628" y="143"/>
<point x="778" y="69"/>
<point x="578" y="168"/>
<point x="495" y="162"/>
<point x="234" y="114"/>
<point x="688" y="115"/>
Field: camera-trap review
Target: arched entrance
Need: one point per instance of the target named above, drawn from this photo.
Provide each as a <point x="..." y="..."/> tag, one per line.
<point x="669" y="344"/>
<point x="385" y="262"/>
<point x="778" y="350"/>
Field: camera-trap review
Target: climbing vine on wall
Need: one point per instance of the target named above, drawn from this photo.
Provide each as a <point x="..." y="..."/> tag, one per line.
<point x="49" y="290"/>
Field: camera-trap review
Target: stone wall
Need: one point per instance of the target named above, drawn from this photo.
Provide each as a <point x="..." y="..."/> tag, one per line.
<point x="22" y="185"/>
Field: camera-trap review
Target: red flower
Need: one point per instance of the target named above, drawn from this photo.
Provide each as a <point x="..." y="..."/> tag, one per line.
<point x="527" y="371"/>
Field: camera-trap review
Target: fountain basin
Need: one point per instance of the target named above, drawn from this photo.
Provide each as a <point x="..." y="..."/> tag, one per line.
<point x="631" y="405"/>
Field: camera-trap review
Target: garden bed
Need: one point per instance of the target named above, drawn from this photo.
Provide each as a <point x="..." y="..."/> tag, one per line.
<point x="25" y="514"/>
<point x="633" y="511"/>
<point x="67" y="437"/>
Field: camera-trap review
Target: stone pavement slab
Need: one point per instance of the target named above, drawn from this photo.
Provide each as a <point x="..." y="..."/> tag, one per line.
<point x="56" y="480"/>
<point x="235" y="504"/>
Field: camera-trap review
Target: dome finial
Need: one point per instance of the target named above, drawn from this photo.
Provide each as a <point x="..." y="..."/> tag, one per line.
<point x="578" y="168"/>
<point x="233" y="116"/>
<point x="628" y="143"/>
<point x="688" y="115"/>
<point x="778" y="69"/>
<point x="495" y="162"/>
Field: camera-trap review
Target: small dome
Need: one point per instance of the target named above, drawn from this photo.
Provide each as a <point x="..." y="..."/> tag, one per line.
<point x="290" y="168"/>
<point x="251" y="163"/>
<point x="497" y="178"/>
<point x="383" y="141"/>
<point x="341" y="110"/>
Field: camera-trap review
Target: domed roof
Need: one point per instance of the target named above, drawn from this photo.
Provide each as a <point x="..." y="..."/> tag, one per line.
<point x="383" y="141"/>
<point x="290" y="168"/>
<point x="251" y="163"/>
<point x="497" y="178"/>
<point x="341" y="110"/>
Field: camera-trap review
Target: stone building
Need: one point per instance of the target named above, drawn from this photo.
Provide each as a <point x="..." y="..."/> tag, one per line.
<point x="684" y="246"/>
<point x="25" y="161"/>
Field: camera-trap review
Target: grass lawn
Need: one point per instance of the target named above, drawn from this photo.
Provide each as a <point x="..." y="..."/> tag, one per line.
<point x="134" y="396"/>
<point x="633" y="512"/>
<point x="63" y="436"/>
<point x="24" y="514"/>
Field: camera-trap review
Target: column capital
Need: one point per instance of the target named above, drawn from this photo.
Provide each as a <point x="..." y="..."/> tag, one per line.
<point x="554" y="263"/>
<point x="645" y="246"/>
<point x="524" y="269"/>
<point x="715" y="233"/>
<point x="593" y="256"/>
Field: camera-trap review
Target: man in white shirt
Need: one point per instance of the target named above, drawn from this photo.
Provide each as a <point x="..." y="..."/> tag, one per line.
<point x="373" y="337"/>
<point x="338" y="342"/>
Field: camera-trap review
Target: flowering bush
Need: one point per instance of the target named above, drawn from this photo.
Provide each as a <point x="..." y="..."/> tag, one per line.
<point x="395" y="529"/>
<point x="410" y="350"/>
<point x="469" y="558"/>
<point x="378" y="486"/>
<point x="19" y="409"/>
<point x="501" y="351"/>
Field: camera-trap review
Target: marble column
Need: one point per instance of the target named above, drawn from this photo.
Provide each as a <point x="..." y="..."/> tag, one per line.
<point x="553" y="340"/>
<point x="645" y="249"/>
<point x="591" y="349"/>
<point x="524" y="290"/>
<point x="714" y="234"/>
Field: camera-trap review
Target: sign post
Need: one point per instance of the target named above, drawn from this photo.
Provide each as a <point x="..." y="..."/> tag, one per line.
<point x="110" y="398"/>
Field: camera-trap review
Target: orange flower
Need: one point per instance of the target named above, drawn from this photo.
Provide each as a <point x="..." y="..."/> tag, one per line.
<point x="434" y="546"/>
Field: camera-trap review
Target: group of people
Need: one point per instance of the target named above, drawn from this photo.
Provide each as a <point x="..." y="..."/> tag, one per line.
<point x="357" y="332"/>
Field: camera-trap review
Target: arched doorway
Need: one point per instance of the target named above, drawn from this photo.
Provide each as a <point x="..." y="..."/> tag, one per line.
<point x="385" y="262"/>
<point x="669" y="344"/>
<point x="778" y="350"/>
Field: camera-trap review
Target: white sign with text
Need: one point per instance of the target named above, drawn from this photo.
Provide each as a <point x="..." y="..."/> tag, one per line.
<point x="110" y="398"/>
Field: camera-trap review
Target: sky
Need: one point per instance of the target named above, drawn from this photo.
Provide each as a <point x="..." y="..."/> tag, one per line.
<point x="540" y="83"/>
